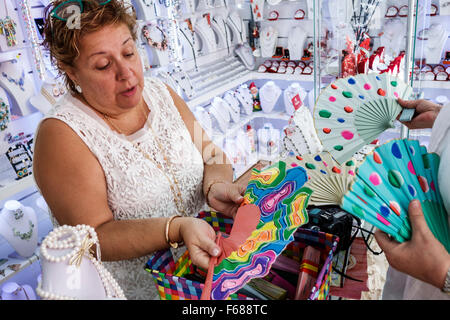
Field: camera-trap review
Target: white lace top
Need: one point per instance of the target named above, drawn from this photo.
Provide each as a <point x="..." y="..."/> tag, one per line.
<point x="137" y="189"/>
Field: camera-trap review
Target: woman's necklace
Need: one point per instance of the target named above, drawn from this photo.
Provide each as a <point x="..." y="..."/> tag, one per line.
<point x="177" y="193"/>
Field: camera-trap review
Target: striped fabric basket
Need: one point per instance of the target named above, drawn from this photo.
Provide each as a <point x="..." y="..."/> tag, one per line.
<point x="170" y="276"/>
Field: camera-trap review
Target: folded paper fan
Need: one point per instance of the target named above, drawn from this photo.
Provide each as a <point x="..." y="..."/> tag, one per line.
<point x="354" y="111"/>
<point x="328" y="180"/>
<point x="262" y="233"/>
<point x="393" y="175"/>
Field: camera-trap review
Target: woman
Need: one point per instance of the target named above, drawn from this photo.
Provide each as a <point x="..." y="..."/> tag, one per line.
<point x="124" y="154"/>
<point x="424" y="261"/>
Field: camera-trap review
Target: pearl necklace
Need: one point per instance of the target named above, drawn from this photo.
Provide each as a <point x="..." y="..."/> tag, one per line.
<point x="80" y="249"/>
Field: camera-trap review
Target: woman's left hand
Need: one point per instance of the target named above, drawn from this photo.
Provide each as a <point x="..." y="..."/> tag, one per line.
<point x="226" y="197"/>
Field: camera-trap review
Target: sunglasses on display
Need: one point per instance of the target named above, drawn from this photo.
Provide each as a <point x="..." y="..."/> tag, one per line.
<point x="66" y="9"/>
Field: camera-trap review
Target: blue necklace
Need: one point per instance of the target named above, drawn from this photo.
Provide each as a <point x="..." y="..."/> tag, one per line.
<point x="19" y="82"/>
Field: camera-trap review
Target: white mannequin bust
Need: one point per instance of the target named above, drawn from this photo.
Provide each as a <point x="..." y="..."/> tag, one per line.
<point x="236" y="24"/>
<point x="221" y="122"/>
<point x="268" y="95"/>
<point x="50" y="93"/>
<point x="222" y="32"/>
<point x="69" y="271"/>
<point x="268" y="140"/>
<point x="206" y="33"/>
<point x="13" y="291"/>
<point x="244" y="51"/>
<point x="296" y="42"/>
<point x="393" y="37"/>
<point x="245" y="98"/>
<point x="268" y="39"/>
<point x="289" y="93"/>
<point x="18" y="83"/>
<point x="205" y="120"/>
<point x="233" y="105"/>
<point x="433" y="42"/>
<point x="18" y="225"/>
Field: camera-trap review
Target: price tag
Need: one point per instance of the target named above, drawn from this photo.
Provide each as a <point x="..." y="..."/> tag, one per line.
<point x="297" y="102"/>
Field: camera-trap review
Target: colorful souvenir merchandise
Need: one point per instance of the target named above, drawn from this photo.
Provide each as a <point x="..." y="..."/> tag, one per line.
<point x="388" y="180"/>
<point x="354" y="111"/>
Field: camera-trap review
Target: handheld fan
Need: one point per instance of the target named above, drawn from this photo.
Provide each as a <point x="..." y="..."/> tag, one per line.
<point x="354" y="111"/>
<point x="280" y="201"/>
<point x="328" y="180"/>
<point x="389" y="178"/>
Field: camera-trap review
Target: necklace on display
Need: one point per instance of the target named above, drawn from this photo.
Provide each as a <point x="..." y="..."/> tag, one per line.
<point x="222" y="27"/>
<point x="268" y="40"/>
<point x="18" y="214"/>
<point x="8" y="28"/>
<point x="68" y="237"/>
<point x="182" y="79"/>
<point x="236" y="26"/>
<point x="160" y="45"/>
<point x="205" y="31"/>
<point x="18" y="82"/>
<point x="148" y="3"/>
<point x="191" y="41"/>
<point x="174" y="181"/>
<point x="4" y="115"/>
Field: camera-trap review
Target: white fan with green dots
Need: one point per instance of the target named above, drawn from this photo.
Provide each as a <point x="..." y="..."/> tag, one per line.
<point x="352" y="112"/>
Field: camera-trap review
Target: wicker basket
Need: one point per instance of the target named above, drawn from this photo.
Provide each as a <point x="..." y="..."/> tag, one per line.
<point x="169" y="276"/>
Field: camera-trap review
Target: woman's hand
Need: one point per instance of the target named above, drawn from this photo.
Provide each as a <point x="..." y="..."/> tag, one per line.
<point x="199" y="238"/>
<point x="425" y="115"/>
<point x="226" y="197"/>
<point x="422" y="257"/>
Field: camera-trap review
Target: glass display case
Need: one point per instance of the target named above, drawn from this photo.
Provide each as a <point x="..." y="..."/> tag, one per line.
<point x="407" y="38"/>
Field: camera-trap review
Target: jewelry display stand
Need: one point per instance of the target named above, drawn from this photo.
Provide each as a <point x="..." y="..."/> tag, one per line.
<point x="393" y="38"/>
<point x="296" y="42"/>
<point x="14" y="41"/>
<point x="156" y="41"/>
<point x="69" y="269"/>
<point x="189" y="42"/>
<point x="268" y="140"/>
<point x="145" y="9"/>
<point x="47" y="97"/>
<point x="289" y="94"/>
<point x="13" y="291"/>
<point x="18" y="225"/>
<point x="238" y="27"/>
<point x="245" y="98"/>
<point x="222" y="31"/>
<point x="244" y="52"/>
<point x="268" y="40"/>
<point x="432" y="40"/>
<point x="18" y="84"/>
<point x="268" y="95"/>
<point x="205" y="32"/>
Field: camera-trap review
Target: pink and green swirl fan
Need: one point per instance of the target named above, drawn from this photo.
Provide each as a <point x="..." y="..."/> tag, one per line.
<point x="388" y="180"/>
<point x="352" y="112"/>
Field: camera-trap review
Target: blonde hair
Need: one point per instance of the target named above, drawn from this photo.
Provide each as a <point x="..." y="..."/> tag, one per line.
<point x="63" y="42"/>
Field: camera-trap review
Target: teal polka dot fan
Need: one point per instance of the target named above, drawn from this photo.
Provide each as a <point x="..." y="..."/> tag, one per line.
<point x="352" y="112"/>
<point x="393" y="175"/>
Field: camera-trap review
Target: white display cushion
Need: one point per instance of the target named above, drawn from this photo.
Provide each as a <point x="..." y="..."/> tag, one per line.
<point x="268" y="40"/>
<point x="18" y="225"/>
<point x="268" y="96"/>
<point x="244" y="52"/>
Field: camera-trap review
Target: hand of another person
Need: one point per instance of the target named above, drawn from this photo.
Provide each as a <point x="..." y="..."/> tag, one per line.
<point x="199" y="238"/>
<point x="226" y="197"/>
<point x="422" y="257"/>
<point x="426" y="113"/>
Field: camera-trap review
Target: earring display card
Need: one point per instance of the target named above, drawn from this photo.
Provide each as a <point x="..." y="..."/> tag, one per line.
<point x="21" y="160"/>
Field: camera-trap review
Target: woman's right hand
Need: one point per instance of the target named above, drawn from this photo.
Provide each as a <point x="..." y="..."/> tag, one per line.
<point x="199" y="238"/>
<point x="425" y="115"/>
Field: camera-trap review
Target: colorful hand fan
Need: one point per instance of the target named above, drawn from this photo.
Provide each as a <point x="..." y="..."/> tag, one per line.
<point x="327" y="178"/>
<point x="354" y="111"/>
<point x="393" y="175"/>
<point x="276" y="200"/>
